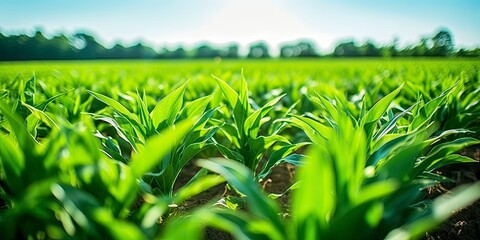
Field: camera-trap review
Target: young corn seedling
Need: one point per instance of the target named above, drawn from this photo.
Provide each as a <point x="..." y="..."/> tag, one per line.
<point x="65" y="187"/>
<point x="31" y="102"/>
<point x="338" y="190"/>
<point x="137" y="128"/>
<point x="463" y="108"/>
<point x="247" y="143"/>
<point x="407" y="155"/>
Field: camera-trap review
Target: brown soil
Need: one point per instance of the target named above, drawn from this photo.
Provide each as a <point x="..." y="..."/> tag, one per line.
<point x="278" y="181"/>
<point x="464" y="224"/>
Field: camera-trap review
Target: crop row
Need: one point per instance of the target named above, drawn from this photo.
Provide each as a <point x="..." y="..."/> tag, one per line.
<point x="85" y="159"/>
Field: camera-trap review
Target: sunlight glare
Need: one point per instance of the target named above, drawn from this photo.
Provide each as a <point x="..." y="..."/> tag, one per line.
<point x="251" y="20"/>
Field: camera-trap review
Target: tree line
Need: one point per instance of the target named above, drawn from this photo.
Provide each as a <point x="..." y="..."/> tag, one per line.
<point x="85" y="46"/>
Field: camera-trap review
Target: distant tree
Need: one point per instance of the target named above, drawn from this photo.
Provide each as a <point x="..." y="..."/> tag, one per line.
<point x="468" y="52"/>
<point x="303" y="48"/>
<point x="307" y="49"/>
<point x="60" y="47"/>
<point x="180" y="52"/>
<point x="90" y="48"/>
<point x="6" y="47"/>
<point x="389" y="51"/>
<point x="442" y="43"/>
<point x="258" y="50"/>
<point x="422" y="49"/>
<point x="475" y="52"/>
<point x="346" y="49"/>
<point x="118" y="51"/>
<point x="287" y="51"/>
<point x="140" y="51"/>
<point x="461" y="53"/>
<point x="369" y="50"/>
<point x="232" y="51"/>
<point x="392" y="49"/>
<point x="165" y="53"/>
<point x="37" y="47"/>
<point x="83" y="46"/>
<point x="206" y="51"/>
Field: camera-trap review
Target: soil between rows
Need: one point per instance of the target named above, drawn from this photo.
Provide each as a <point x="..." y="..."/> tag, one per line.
<point x="464" y="224"/>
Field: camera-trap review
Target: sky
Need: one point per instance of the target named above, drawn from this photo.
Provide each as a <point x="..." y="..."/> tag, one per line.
<point x="168" y="23"/>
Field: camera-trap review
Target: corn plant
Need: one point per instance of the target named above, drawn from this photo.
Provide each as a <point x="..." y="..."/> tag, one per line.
<point x="339" y="190"/>
<point x="31" y="101"/>
<point x="248" y="145"/>
<point x="463" y="108"/>
<point x="136" y="128"/>
<point x="66" y="187"/>
<point x="102" y="163"/>
<point x="315" y="214"/>
<point x="408" y="154"/>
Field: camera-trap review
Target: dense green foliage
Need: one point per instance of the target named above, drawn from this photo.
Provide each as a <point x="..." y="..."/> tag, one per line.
<point x="84" y="46"/>
<point x="95" y="149"/>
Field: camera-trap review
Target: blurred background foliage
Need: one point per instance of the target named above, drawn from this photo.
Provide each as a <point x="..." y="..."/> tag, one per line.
<point x="84" y="46"/>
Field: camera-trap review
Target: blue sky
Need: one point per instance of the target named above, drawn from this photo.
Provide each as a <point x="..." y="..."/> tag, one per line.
<point x="163" y="22"/>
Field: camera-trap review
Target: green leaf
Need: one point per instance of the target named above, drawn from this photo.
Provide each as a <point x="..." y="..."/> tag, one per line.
<point x="401" y="165"/>
<point x="198" y="186"/>
<point x="451" y="159"/>
<point x="361" y="219"/>
<point x="228" y="92"/>
<point x="145" y="118"/>
<point x="240" y="225"/>
<point x="45" y="117"/>
<point x="241" y="178"/>
<point x="13" y="163"/>
<point x="42" y="106"/>
<point x="231" y="133"/>
<point x="239" y="104"/>
<point x="447" y="148"/>
<point x="253" y="123"/>
<point x="199" y="132"/>
<point x="243" y="93"/>
<point x="326" y="104"/>
<point x="168" y="108"/>
<point x="440" y="210"/>
<point x="427" y="111"/>
<point x="192" y="150"/>
<point x="388" y="148"/>
<point x="317" y="173"/>
<point x="440" y="155"/>
<point x="79" y="205"/>
<point x="29" y="91"/>
<point x="390" y="125"/>
<point x="129" y="138"/>
<point x="157" y="146"/>
<point x="370" y="120"/>
<point x="376" y="190"/>
<point x="118" y="107"/>
<point x="282" y="155"/>
<point x="112" y="149"/>
<point x="191" y="226"/>
<point x="380" y="107"/>
<point x="196" y="107"/>
<point x="294" y="186"/>
<point x="24" y="139"/>
<point x="116" y="229"/>
<point x="229" y="153"/>
<point x="315" y="130"/>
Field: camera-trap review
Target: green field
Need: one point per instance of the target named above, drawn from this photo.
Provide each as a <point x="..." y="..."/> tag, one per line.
<point x="101" y="149"/>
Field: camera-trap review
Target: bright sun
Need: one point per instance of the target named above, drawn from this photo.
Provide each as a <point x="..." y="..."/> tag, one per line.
<point x="251" y="20"/>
